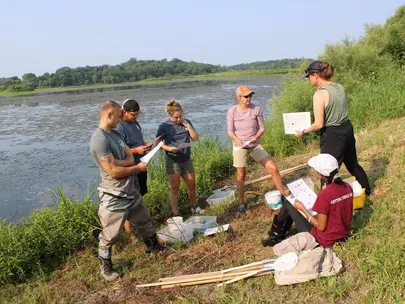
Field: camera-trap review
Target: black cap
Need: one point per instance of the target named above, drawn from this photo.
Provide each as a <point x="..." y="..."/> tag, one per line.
<point x="130" y="105"/>
<point x="314" y="67"/>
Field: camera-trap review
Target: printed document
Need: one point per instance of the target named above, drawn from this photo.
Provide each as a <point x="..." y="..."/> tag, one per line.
<point x="294" y="122"/>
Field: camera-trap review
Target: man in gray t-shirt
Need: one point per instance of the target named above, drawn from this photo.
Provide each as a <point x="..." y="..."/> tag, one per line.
<point x="119" y="199"/>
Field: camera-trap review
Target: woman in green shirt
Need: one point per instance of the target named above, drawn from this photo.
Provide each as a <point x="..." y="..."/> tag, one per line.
<point x="330" y="111"/>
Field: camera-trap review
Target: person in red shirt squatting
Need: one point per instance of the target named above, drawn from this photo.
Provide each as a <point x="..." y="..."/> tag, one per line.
<point x="334" y="207"/>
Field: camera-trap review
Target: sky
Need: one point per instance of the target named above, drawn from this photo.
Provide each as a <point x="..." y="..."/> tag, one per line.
<point x="40" y="36"/>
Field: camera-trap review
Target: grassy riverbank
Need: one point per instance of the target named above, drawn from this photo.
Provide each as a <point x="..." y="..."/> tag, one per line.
<point x="151" y="81"/>
<point x="373" y="257"/>
<point x="372" y="71"/>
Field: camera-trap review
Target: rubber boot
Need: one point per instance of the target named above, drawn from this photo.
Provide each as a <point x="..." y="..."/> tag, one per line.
<point x="152" y="245"/>
<point x="277" y="232"/>
<point x="106" y="271"/>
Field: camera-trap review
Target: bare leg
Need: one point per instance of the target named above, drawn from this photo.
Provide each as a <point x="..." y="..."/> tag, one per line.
<point x="240" y="180"/>
<point x="174" y="181"/>
<point x="127" y="226"/>
<point x="189" y="179"/>
<point x="271" y="168"/>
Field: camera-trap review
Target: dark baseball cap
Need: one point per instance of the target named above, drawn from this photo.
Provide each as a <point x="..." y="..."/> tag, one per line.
<point x="314" y="67"/>
<point x="130" y="105"/>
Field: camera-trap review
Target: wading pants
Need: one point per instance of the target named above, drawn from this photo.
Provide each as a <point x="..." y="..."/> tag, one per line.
<point x="113" y="212"/>
<point x="339" y="142"/>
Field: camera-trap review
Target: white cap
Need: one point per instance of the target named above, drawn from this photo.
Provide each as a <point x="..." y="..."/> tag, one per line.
<point x="324" y="164"/>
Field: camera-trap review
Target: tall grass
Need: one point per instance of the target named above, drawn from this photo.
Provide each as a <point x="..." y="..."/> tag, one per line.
<point x="48" y="237"/>
<point x="212" y="161"/>
<point x="372" y="71"/>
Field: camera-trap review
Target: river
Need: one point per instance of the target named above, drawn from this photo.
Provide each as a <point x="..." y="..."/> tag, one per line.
<point x="44" y="139"/>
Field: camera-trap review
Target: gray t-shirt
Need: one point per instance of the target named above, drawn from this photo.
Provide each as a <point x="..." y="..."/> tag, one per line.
<point x="103" y="143"/>
<point x="174" y="134"/>
<point x="131" y="132"/>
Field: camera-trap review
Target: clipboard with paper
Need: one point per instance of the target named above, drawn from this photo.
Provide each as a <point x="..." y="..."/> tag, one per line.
<point x="294" y="122"/>
<point x="302" y="192"/>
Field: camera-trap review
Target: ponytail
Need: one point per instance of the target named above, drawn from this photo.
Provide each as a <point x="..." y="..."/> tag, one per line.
<point x="327" y="71"/>
<point x="172" y="106"/>
<point x="334" y="178"/>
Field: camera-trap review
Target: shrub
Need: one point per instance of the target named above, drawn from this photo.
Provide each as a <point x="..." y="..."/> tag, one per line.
<point x="44" y="239"/>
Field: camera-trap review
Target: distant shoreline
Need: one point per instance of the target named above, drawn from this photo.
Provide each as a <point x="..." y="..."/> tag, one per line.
<point x="150" y="81"/>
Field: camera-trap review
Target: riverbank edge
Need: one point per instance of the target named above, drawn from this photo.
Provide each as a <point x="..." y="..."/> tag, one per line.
<point x="373" y="256"/>
<point x="150" y="82"/>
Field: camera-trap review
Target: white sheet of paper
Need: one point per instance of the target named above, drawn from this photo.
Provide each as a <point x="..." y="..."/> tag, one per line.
<point x="210" y="231"/>
<point x="148" y="156"/>
<point x="246" y="143"/>
<point x="301" y="191"/>
<point x="294" y="122"/>
<point x="291" y="199"/>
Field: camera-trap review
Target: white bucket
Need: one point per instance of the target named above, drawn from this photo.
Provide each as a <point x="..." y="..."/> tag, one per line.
<point x="273" y="199"/>
<point x="174" y="223"/>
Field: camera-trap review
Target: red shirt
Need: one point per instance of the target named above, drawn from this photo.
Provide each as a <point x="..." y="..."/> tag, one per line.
<point x="335" y="201"/>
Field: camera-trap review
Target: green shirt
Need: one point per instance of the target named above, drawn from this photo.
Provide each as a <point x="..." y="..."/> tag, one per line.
<point x="336" y="110"/>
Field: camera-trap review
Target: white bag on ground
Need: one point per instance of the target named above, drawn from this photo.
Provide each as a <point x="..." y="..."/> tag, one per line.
<point x="312" y="261"/>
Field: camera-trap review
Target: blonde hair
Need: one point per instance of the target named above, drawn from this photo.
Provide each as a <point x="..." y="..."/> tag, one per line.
<point x="172" y="106"/>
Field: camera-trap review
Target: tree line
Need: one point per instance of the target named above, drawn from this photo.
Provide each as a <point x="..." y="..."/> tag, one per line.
<point x="130" y="71"/>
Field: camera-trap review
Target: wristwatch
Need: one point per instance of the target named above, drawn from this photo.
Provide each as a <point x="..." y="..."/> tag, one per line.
<point x="303" y="133"/>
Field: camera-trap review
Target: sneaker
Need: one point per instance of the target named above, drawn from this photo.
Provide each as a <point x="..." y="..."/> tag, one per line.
<point x="242" y="208"/>
<point x="197" y="210"/>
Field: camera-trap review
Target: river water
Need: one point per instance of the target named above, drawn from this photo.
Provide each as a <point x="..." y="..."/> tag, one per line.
<point x="44" y="140"/>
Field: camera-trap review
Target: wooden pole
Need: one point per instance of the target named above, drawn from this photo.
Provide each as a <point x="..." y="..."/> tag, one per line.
<point x="221" y="272"/>
<point x="282" y="173"/>
<point x="202" y="277"/>
<point x="248" y="265"/>
<point x="208" y="281"/>
<point x="244" y="276"/>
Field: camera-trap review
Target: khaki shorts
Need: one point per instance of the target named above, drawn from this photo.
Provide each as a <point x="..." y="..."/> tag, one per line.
<point x="240" y="157"/>
<point x="173" y="167"/>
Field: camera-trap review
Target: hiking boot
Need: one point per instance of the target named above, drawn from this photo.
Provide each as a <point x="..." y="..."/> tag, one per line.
<point x="242" y="209"/>
<point x="277" y="232"/>
<point x="197" y="210"/>
<point x="152" y="245"/>
<point x="106" y="271"/>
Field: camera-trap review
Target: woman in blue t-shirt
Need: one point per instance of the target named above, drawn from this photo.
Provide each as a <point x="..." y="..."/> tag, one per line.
<point x="176" y="133"/>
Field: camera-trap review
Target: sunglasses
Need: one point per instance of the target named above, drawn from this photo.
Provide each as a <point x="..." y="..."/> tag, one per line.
<point x="248" y="96"/>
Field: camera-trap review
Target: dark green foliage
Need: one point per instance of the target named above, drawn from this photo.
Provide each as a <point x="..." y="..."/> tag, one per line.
<point x="270" y="64"/>
<point x="371" y="70"/>
<point x="45" y="239"/>
<point x="131" y="71"/>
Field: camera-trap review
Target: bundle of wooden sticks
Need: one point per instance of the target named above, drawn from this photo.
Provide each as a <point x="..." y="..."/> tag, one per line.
<point x="228" y="275"/>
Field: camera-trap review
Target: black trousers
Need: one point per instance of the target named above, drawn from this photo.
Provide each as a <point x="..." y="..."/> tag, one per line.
<point x="339" y="142"/>
<point x="288" y="211"/>
<point x="142" y="182"/>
